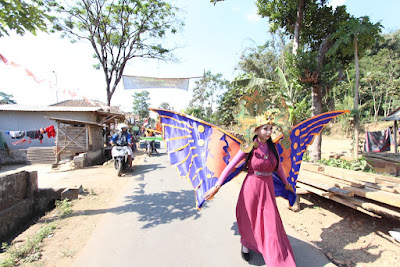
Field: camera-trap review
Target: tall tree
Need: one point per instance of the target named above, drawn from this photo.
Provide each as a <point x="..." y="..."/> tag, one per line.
<point x="21" y="16"/>
<point x="119" y="31"/>
<point x="166" y="105"/>
<point x="354" y="36"/>
<point x="141" y="104"/>
<point x="297" y="26"/>
<point x="319" y="23"/>
<point x="205" y="92"/>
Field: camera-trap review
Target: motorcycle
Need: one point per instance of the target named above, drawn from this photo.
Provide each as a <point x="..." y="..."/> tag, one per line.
<point x="149" y="147"/>
<point x="120" y="156"/>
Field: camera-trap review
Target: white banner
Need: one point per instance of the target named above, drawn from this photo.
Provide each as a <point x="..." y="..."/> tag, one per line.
<point x="138" y="82"/>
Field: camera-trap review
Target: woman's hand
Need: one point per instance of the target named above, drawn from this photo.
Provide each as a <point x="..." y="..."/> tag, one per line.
<point x="289" y="187"/>
<point x="211" y="193"/>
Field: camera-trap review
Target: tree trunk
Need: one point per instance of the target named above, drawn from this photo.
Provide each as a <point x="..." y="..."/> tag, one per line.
<point x="109" y="95"/>
<point x="297" y="26"/>
<point x="356" y="116"/>
<point x="316" y="108"/>
<point x="316" y="100"/>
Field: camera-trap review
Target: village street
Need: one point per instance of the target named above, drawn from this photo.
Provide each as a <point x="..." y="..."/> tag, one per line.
<point x="154" y="223"/>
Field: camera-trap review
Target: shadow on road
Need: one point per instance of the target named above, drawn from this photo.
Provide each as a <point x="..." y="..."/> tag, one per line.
<point x="160" y="208"/>
<point x="139" y="172"/>
<point x="154" y="209"/>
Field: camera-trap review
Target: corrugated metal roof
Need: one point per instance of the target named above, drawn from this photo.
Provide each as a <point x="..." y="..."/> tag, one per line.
<point x="12" y="107"/>
<point x="395" y="116"/>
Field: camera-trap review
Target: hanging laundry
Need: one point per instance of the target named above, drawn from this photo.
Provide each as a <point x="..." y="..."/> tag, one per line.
<point x="16" y="134"/>
<point x="19" y="142"/>
<point x="35" y="134"/>
<point x="50" y="131"/>
<point x="378" y="141"/>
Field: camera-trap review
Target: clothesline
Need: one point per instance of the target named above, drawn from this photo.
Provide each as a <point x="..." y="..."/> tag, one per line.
<point x="32" y="134"/>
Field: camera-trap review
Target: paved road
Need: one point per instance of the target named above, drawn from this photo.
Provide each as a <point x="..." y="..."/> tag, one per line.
<point x="154" y="223"/>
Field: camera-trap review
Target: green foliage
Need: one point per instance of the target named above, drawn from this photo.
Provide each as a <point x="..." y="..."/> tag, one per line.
<point x="6" y="99"/>
<point x="141" y="104"/>
<point x="166" y="105"/>
<point x="63" y="207"/>
<point x="301" y="111"/>
<point x="379" y="80"/>
<point x="120" y="31"/>
<point x="262" y="61"/>
<point x="319" y="20"/>
<point x="205" y="95"/>
<point x="361" y="28"/>
<point x="356" y="165"/>
<point x="28" y="252"/>
<point x="21" y="16"/>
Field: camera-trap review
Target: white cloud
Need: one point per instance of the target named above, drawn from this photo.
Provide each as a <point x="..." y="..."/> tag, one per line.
<point x="252" y="16"/>
<point x="335" y="3"/>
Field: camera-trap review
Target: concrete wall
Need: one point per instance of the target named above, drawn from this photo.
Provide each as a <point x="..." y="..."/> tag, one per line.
<point x="17" y="198"/>
<point x="89" y="159"/>
<point x="13" y="156"/>
<point x="26" y="121"/>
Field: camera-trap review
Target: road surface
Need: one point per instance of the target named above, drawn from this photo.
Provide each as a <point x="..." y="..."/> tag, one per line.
<point x="154" y="223"/>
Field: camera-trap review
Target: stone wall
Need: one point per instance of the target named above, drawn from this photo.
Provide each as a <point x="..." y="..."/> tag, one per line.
<point x="17" y="197"/>
<point x="13" y="156"/>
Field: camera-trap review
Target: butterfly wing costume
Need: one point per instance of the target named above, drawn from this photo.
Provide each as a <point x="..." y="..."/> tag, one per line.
<point x="200" y="151"/>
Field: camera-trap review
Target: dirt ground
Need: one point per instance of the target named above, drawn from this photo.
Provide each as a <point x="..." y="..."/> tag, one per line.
<point x="344" y="235"/>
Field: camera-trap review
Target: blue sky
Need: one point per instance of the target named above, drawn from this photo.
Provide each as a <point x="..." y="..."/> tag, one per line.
<point x="213" y="39"/>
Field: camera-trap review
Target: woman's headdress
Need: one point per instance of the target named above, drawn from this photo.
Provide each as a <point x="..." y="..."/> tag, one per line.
<point x="255" y="111"/>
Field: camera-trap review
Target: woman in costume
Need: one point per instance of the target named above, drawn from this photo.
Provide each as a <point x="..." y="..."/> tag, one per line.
<point x="258" y="218"/>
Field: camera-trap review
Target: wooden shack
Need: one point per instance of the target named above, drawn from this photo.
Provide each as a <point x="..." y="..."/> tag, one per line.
<point x="78" y="136"/>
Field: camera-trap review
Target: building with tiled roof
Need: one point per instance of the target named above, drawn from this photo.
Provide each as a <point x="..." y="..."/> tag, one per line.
<point x="84" y="103"/>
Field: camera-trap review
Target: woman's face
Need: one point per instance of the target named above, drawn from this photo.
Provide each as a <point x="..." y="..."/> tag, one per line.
<point x="264" y="132"/>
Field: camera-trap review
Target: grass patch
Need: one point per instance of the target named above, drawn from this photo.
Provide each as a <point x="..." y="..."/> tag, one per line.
<point x="29" y="251"/>
<point x="68" y="253"/>
<point x="63" y="207"/>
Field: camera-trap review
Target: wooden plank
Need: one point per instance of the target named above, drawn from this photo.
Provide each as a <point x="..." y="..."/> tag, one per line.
<point x="351" y="205"/>
<point x="302" y="191"/>
<point x="314" y="190"/>
<point x="377" y="195"/>
<point x="316" y="180"/>
<point x="391" y="181"/>
<point x="379" y="209"/>
<point x="382" y="187"/>
<point x="383" y="178"/>
<point x="344" y="183"/>
<point x="338" y="173"/>
<point x="58" y="156"/>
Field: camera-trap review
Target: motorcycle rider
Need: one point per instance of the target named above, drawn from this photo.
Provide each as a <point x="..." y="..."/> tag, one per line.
<point x="150" y="133"/>
<point x="123" y="138"/>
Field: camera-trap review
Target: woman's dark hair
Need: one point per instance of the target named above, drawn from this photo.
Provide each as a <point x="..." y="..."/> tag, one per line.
<point x="271" y="146"/>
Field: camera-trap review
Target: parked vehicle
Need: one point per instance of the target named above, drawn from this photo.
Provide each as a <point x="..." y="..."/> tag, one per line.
<point x="120" y="156"/>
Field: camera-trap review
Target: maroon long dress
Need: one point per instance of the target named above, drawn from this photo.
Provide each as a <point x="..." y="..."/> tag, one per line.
<point x="258" y="218"/>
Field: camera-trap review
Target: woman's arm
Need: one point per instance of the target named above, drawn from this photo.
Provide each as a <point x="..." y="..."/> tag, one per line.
<point x="225" y="173"/>
<point x="229" y="168"/>
<point x="281" y="174"/>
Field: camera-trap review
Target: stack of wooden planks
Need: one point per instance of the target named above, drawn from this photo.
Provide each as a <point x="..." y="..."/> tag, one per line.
<point x="374" y="194"/>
